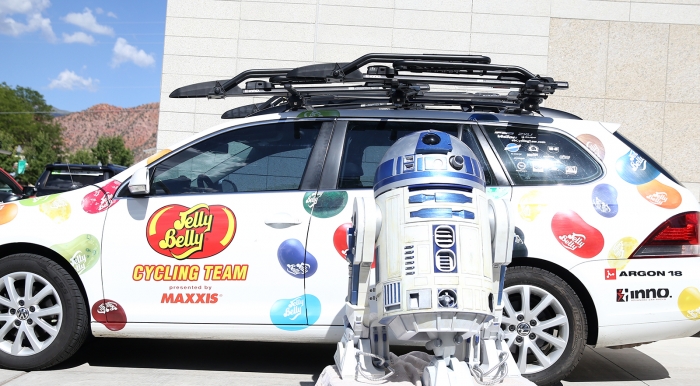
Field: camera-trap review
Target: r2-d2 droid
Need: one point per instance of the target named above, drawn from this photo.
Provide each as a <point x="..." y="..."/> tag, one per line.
<point x="441" y="247"/>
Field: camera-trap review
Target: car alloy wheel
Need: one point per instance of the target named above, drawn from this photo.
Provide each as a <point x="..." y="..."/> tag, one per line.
<point x="31" y="311"/>
<point x="536" y="327"/>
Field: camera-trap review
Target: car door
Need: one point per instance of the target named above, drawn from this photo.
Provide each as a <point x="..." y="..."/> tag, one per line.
<point x="221" y="237"/>
<point x="354" y="154"/>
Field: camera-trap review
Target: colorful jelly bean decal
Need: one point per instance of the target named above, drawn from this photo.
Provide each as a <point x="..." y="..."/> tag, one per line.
<point x="634" y="169"/>
<point x="593" y="144"/>
<point x="660" y="195"/>
<point x="604" y="199"/>
<point x="101" y="199"/>
<point x="83" y="252"/>
<point x="340" y="239"/>
<point x="295" y="314"/>
<point x="618" y="256"/>
<point x="109" y="313"/>
<point x="575" y="235"/>
<point x="519" y="247"/>
<point x="531" y="204"/>
<point x="8" y="212"/>
<point x="325" y="204"/>
<point x="689" y="303"/>
<point x="57" y="209"/>
<point x="291" y="253"/>
<point x="34" y="201"/>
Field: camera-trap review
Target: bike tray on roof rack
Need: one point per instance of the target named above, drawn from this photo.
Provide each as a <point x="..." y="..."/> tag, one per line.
<point x="394" y="81"/>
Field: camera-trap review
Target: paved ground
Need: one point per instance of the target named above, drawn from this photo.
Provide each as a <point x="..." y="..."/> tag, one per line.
<point x="108" y="362"/>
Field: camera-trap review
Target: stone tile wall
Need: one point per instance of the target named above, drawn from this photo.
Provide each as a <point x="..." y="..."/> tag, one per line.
<point x="631" y="62"/>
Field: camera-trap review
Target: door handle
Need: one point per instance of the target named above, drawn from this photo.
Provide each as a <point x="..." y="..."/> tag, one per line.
<point x="281" y="221"/>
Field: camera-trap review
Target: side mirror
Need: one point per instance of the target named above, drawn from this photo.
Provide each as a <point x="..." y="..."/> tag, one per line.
<point x="28" y="191"/>
<point x="140" y="184"/>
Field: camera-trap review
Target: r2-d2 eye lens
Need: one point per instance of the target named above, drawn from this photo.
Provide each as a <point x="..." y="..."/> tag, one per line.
<point x="431" y="139"/>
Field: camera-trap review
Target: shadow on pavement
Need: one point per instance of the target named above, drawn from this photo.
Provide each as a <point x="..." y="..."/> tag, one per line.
<point x="608" y="365"/>
<point x="289" y="358"/>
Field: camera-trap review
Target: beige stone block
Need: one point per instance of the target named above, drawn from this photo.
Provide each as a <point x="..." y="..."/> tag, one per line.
<point x="166" y="138"/>
<point x="578" y="52"/>
<point x="330" y="53"/>
<point x="665" y="13"/>
<point x="637" y="57"/>
<point x="510" y="24"/>
<point x="641" y="123"/>
<point x="408" y="38"/>
<point x="536" y="64"/>
<point x="277" y="31"/>
<point x="690" y="2"/>
<point x="590" y="10"/>
<point x="681" y="139"/>
<point x="359" y="16"/>
<point x="431" y="20"/>
<point x="509" y="44"/>
<point x="172" y="121"/>
<point x="266" y="49"/>
<point x="435" y="5"/>
<point x="591" y="109"/>
<point x="204" y="9"/>
<point x="281" y="1"/>
<point x="207" y="28"/>
<point x="683" y="77"/>
<point x="298" y="13"/>
<point x="170" y="82"/>
<point x="247" y="64"/>
<point x="176" y="105"/>
<point x="206" y="121"/>
<point x="198" y="65"/>
<point x="694" y="188"/>
<point x="354" y="35"/>
<point x="360" y="3"/>
<point x="216" y="47"/>
<point x="409" y="50"/>
<point x="509" y="7"/>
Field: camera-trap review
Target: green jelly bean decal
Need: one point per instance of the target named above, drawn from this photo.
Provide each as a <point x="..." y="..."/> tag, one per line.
<point x="34" y="201"/>
<point x="82" y="253"/>
<point x="325" y="204"/>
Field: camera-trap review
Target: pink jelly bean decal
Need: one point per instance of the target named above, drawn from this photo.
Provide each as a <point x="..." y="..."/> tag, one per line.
<point x="101" y="199"/>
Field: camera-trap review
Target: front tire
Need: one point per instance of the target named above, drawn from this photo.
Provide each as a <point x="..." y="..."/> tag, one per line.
<point x="43" y="314"/>
<point x="544" y="323"/>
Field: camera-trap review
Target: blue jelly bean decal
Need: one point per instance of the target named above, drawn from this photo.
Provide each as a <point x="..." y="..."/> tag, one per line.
<point x="604" y="199"/>
<point x="290" y="254"/>
<point x="295" y="314"/>
<point x="634" y="169"/>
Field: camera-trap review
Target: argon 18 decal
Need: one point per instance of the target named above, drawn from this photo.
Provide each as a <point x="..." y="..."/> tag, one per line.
<point x="575" y="235"/>
<point x="191" y="233"/>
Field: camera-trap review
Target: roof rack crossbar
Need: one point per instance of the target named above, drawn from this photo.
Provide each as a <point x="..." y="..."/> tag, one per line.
<point x="390" y="58"/>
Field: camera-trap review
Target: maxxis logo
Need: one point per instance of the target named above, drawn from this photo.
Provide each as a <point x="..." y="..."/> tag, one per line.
<point x="191" y="233"/>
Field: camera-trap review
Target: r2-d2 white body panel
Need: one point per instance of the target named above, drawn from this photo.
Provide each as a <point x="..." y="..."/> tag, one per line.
<point x="434" y="272"/>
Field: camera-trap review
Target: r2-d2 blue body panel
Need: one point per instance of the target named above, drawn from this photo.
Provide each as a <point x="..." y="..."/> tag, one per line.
<point x="434" y="268"/>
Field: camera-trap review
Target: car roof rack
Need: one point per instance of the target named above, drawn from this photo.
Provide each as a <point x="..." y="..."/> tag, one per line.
<point x="390" y="81"/>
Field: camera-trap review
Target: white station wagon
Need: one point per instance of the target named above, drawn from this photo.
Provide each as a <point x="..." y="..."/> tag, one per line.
<point x="239" y="233"/>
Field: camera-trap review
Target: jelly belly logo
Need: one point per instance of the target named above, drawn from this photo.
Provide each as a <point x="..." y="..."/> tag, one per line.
<point x="195" y="233"/>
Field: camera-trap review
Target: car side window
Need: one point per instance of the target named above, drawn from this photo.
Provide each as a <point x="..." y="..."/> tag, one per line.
<point x="269" y="157"/>
<point x="366" y="143"/>
<point x="536" y="156"/>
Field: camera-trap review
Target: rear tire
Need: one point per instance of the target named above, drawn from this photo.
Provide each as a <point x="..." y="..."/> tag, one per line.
<point x="51" y="321"/>
<point x="548" y="331"/>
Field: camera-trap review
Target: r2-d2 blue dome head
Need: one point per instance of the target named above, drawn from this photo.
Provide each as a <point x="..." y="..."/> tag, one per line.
<point x="428" y="158"/>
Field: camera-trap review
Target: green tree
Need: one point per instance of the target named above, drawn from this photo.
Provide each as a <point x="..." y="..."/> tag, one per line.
<point x="111" y="150"/>
<point x="83" y="156"/>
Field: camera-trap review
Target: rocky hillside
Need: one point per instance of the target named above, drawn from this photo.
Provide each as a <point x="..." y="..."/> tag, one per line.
<point x="137" y="125"/>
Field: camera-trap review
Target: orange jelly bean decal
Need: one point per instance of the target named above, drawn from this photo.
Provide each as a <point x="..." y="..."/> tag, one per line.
<point x="660" y="195"/>
<point x="8" y="212"/>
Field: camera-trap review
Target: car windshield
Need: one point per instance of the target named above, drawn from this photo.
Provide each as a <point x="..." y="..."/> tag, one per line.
<point x="63" y="179"/>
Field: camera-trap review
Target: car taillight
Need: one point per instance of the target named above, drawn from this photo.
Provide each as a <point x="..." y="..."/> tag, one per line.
<point x="676" y="237"/>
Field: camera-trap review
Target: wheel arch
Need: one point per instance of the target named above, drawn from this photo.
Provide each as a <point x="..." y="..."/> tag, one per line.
<point x="576" y="285"/>
<point x="14" y="248"/>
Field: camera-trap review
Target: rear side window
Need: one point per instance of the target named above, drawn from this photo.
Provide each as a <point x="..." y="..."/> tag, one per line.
<point x="366" y="143"/>
<point x="541" y="157"/>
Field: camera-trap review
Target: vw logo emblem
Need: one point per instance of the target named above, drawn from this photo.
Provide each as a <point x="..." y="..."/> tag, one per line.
<point x="523" y="329"/>
<point x="22" y="313"/>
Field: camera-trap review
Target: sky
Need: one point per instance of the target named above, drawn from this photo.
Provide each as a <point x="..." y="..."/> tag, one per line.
<point x="79" y="53"/>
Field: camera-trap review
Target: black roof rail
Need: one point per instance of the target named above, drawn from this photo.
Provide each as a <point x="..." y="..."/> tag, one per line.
<point x="390" y="81"/>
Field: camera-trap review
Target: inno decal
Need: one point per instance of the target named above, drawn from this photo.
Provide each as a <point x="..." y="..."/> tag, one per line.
<point x="191" y="233"/>
<point x="626" y="295"/>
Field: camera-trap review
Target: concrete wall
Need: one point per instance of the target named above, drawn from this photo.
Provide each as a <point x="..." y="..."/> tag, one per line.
<point x="631" y="62"/>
